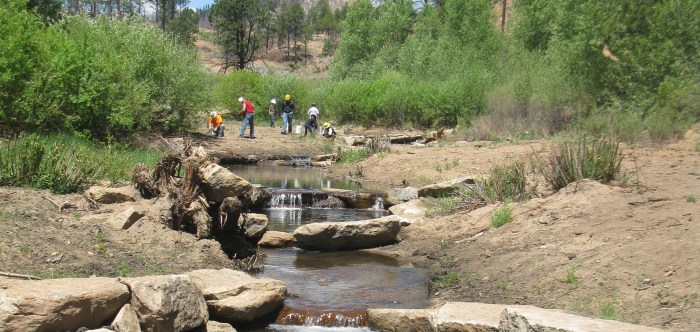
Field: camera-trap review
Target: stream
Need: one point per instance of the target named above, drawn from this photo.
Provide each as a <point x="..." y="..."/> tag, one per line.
<point x="327" y="291"/>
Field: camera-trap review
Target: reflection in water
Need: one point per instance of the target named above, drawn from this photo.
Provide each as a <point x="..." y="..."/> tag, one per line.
<point x="290" y="328"/>
<point x="342" y="281"/>
<point x="287" y="220"/>
<point x="289" y="177"/>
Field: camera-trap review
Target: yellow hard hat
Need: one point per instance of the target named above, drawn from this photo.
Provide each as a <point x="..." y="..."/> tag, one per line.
<point x="326" y="125"/>
<point x="287" y="97"/>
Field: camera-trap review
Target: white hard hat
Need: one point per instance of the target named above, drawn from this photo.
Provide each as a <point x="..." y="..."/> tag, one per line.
<point x="213" y="114"/>
<point x="273" y="101"/>
<point x="240" y="99"/>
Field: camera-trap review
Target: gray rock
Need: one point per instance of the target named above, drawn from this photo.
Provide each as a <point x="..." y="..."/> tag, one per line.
<point x="128" y="217"/>
<point x="254" y="225"/>
<point x="355" y="199"/>
<point x="220" y="183"/>
<point x="258" y="196"/>
<point x="110" y="195"/>
<point x="272" y="239"/>
<point x="126" y="320"/>
<point x="167" y="303"/>
<point x="403" y="194"/>
<point x="59" y="304"/>
<point x="330" y="203"/>
<point x="355" y="140"/>
<point x="445" y="188"/>
<point x="235" y="296"/>
<point x="333" y="236"/>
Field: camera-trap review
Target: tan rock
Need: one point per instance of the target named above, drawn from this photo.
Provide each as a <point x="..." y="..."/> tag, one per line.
<point x="220" y="183"/>
<point x="126" y="218"/>
<point x="235" y="296"/>
<point x="410" y="211"/>
<point x="213" y="326"/>
<point x="110" y="195"/>
<point x="167" y="303"/>
<point x="331" y="236"/>
<point x="273" y="239"/>
<point x="402" y="320"/>
<point x="126" y="320"/>
<point x="445" y="188"/>
<point x="59" y="304"/>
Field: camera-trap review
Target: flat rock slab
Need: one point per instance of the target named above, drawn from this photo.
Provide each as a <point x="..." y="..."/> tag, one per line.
<point x="410" y="211"/>
<point x="352" y="235"/>
<point x="481" y="317"/>
<point x="167" y="303"/>
<point x="235" y="296"/>
<point x="254" y="226"/>
<point x="445" y="188"/>
<point x="59" y="304"/>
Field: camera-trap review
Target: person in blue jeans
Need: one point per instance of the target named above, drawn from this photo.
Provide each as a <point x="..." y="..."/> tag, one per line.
<point x="248" y="112"/>
<point x="288" y="110"/>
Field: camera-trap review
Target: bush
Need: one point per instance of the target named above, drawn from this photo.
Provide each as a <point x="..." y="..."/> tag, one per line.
<point x="570" y="162"/>
<point x="506" y="183"/>
<point x="98" y="78"/>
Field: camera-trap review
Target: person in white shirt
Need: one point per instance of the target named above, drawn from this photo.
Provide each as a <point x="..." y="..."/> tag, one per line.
<point x="311" y="124"/>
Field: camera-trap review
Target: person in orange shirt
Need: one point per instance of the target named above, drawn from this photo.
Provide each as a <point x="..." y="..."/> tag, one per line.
<point x="216" y="125"/>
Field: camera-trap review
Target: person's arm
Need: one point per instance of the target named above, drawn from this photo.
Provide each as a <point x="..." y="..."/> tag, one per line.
<point x="242" y="112"/>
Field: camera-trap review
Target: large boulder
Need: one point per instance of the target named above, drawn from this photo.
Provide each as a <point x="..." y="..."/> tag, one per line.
<point x="126" y="320"/>
<point x="445" y="188"/>
<point x="126" y="218"/>
<point x="234" y="296"/>
<point x="219" y="183"/>
<point x="253" y="225"/>
<point x="106" y="195"/>
<point x="59" y="304"/>
<point x="410" y="211"/>
<point x="404" y="138"/>
<point x="273" y="239"/>
<point x="352" y="235"/>
<point x="167" y="303"/>
<point x="403" y="194"/>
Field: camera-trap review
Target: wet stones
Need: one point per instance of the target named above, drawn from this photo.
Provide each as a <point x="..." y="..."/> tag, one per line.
<point x="335" y="236"/>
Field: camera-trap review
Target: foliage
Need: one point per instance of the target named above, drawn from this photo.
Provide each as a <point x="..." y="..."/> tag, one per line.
<point x="238" y="24"/>
<point x="185" y="25"/>
<point x="441" y="205"/>
<point x="506" y="183"/>
<point x="97" y="78"/>
<point x="568" y="162"/>
<point x="447" y="280"/>
<point x="66" y="164"/>
<point x="571" y="276"/>
<point x="348" y="156"/>
<point x="691" y="198"/>
<point x="501" y="216"/>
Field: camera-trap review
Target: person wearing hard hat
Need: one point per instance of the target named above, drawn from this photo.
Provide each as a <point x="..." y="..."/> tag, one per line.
<point x="248" y="112"/>
<point x="328" y="131"/>
<point x="288" y="110"/>
<point x="216" y="124"/>
<point x="271" y="112"/>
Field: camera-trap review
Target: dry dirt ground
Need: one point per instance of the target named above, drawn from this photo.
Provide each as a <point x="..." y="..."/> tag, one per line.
<point x="630" y="253"/>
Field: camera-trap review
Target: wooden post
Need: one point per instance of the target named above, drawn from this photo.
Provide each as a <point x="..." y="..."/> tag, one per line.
<point x="503" y="16"/>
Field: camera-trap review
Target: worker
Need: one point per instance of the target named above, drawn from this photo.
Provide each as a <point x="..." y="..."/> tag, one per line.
<point x="311" y="124"/>
<point x="328" y="131"/>
<point x="271" y="112"/>
<point x="287" y="114"/>
<point x="216" y="124"/>
<point x="248" y="112"/>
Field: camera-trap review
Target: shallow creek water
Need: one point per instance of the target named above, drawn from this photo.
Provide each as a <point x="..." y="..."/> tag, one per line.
<point x="328" y="291"/>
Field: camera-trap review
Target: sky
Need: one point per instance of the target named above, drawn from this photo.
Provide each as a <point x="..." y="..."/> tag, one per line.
<point x="194" y="4"/>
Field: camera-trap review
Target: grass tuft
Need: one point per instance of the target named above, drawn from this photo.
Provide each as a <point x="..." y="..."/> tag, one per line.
<point x="501" y="216"/>
<point x="691" y="198"/>
<point x="347" y="156"/>
<point x="447" y="280"/>
<point x="570" y="162"/>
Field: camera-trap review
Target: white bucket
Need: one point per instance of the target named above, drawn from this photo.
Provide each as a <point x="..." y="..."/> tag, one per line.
<point x="298" y="131"/>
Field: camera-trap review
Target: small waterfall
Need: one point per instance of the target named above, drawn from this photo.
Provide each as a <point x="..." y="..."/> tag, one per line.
<point x="378" y="204"/>
<point x="288" y="200"/>
<point x="351" y="318"/>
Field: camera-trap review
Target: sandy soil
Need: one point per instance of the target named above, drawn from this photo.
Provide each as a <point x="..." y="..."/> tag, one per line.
<point x="630" y="253"/>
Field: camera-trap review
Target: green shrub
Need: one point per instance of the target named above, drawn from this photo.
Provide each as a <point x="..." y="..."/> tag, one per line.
<point x="66" y="164"/>
<point x="447" y="280"/>
<point x="570" y="162"/>
<point x="501" y="216"/>
<point x="96" y="77"/>
<point x="347" y="156"/>
<point x="506" y="183"/>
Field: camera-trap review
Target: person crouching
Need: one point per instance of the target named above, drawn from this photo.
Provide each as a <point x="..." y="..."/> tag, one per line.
<point x="216" y="124"/>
